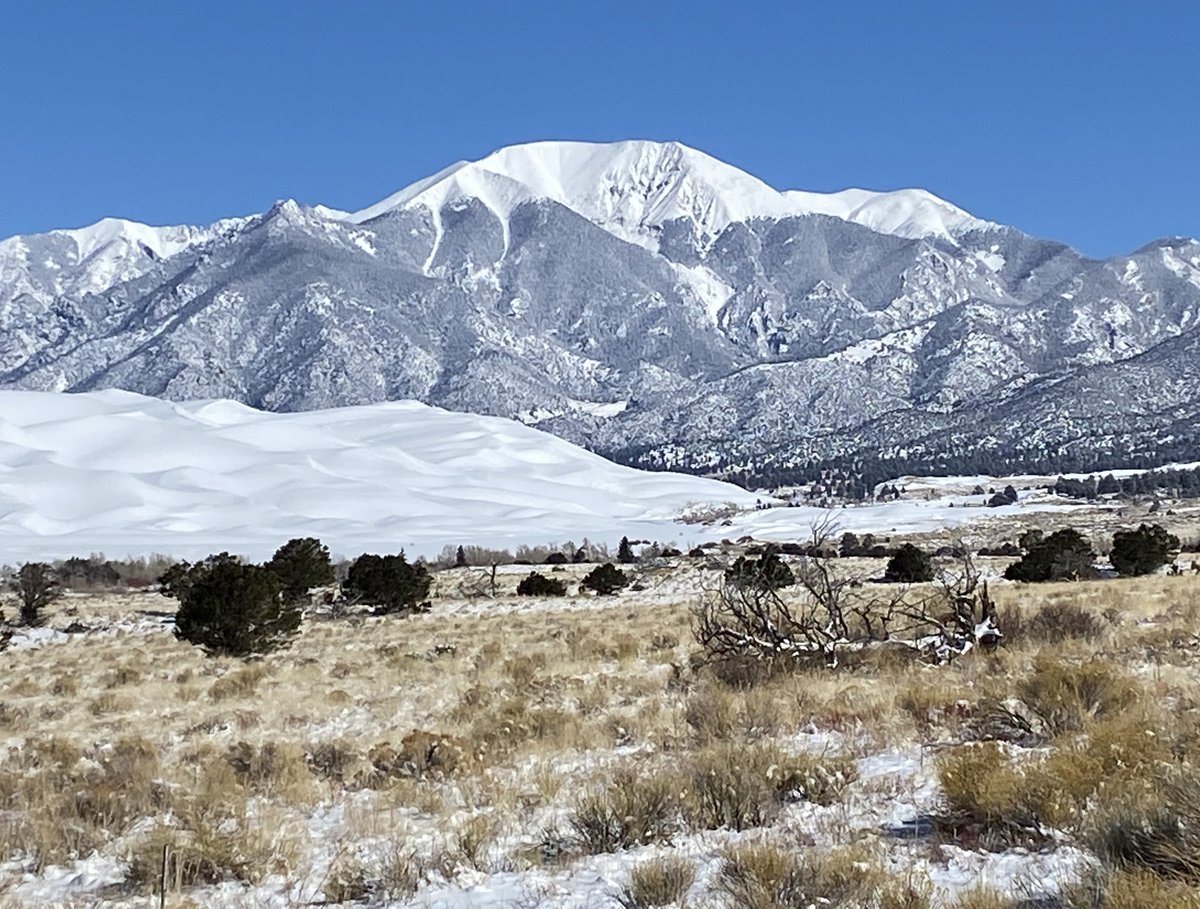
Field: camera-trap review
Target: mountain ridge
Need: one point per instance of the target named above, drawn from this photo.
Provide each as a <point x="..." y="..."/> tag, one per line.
<point x="696" y="325"/>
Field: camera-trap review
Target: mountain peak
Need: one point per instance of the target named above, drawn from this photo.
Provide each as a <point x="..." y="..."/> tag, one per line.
<point x="634" y="186"/>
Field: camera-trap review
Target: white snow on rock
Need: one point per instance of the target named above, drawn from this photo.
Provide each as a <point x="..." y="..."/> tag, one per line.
<point x="122" y="473"/>
<point x="633" y="187"/>
<point x="93" y="258"/>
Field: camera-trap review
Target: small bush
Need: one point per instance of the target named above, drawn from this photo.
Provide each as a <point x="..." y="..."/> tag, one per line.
<point x="238" y="683"/>
<point x="271" y="769"/>
<point x="422" y="753"/>
<point x="757" y="876"/>
<point x="1057" y="622"/>
<point x="1065" y="696"/>
<point x="739" y="787"/>
<point x="538" y="585"/>
<point x="984" y="796"/>
<point x="332" y="760"/>
<point x="1153" y="826"/>
<point x="909" y="565"/>
<point x="605" y="580"/>
<point x="661" y="881"/>
<point x="1125" y="889"/>
<point x="634" y="809"/>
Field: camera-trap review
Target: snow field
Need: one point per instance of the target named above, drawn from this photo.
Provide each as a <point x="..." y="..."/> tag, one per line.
<point x="125" y="474"/>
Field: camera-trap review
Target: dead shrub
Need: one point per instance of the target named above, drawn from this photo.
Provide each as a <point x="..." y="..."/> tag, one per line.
<point x="121" y="676"/>
<point x="662" y="641"/>
<point x="746" y="670"/>
<point x="660" y="881"/>
<point x="710" y="714"/>
<point x="72" y="803"/>
<point x="524" y="670"/>
<point x="984" y="898"/>
<point x="421" y="754"/>
<point x="64" y="686"/>
<point x="105" y="704"/>
<point x="512" y="723"/>
<point x="398" y="872"/>
<point x="346" y="881"/>
<point x="332" y="760"/>
<point x="471" y="841"/>
<point x="214" y="836"/>
<point x="271" y="769"/>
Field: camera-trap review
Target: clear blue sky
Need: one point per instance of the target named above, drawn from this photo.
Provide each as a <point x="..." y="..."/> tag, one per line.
<point x="1076" y="121"/>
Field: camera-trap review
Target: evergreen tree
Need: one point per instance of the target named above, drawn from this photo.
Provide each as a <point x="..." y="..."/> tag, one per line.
<point x="605" y="579"/>
<point x="230" y="608"/>
<point x="1064" y="555"/>
<point x="909" y="565"/>
<point x="1030" y="538"/>
<point x="460" y="558"/>
<point x="625" y="552"/>
<point x="767" y="572"/>
<point x="538" y="585"/>
<point x="850" y="544"/>
<point x="302" y="564"/>
<point x="36" y="588"/>
<point x="1143" y="551"/>
<point x="389" y="583"/>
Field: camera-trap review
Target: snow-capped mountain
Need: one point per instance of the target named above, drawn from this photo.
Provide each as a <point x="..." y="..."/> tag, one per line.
<point x="643" y="299"/>
<point x="634" y="189"/>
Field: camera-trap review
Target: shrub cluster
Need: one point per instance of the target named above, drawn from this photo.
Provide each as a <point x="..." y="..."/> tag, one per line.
<point x="1143" y="551"/>
<point x="388" y="583"/>
<point x="1064" y="555"/>
<point x="767" y="572"/>
<point x="230" y="607"/>
<point x="909" y="566"/>
<point x="538" y="585"/>
<point x="605" y="580"/>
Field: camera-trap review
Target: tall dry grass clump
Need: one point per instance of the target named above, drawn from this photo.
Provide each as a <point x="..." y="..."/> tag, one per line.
<point x="760" y="876"/>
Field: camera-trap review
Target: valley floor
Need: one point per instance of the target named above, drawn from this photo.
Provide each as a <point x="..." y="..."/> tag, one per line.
<point x="564" y="745"/>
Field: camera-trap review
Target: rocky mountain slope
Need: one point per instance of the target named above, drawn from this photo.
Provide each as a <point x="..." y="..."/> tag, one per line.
<point x="642" y="299"/>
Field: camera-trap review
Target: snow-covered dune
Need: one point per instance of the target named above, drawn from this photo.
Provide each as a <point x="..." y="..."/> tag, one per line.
<point x="125" y="474"/>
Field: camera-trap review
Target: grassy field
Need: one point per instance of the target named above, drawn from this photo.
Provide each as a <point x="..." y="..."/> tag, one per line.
<point x="575" y="752"/>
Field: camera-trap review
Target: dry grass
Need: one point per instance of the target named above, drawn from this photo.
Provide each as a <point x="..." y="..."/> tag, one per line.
<point x="759" y="876"/>
<point x="491" y="723"/>
<point x="661" y="881"/>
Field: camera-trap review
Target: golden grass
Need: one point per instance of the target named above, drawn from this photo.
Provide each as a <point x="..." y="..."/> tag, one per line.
<point x="227" y="758"/>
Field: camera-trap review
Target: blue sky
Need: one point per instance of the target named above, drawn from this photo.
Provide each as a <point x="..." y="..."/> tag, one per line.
<point x="1076" y="121"/>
